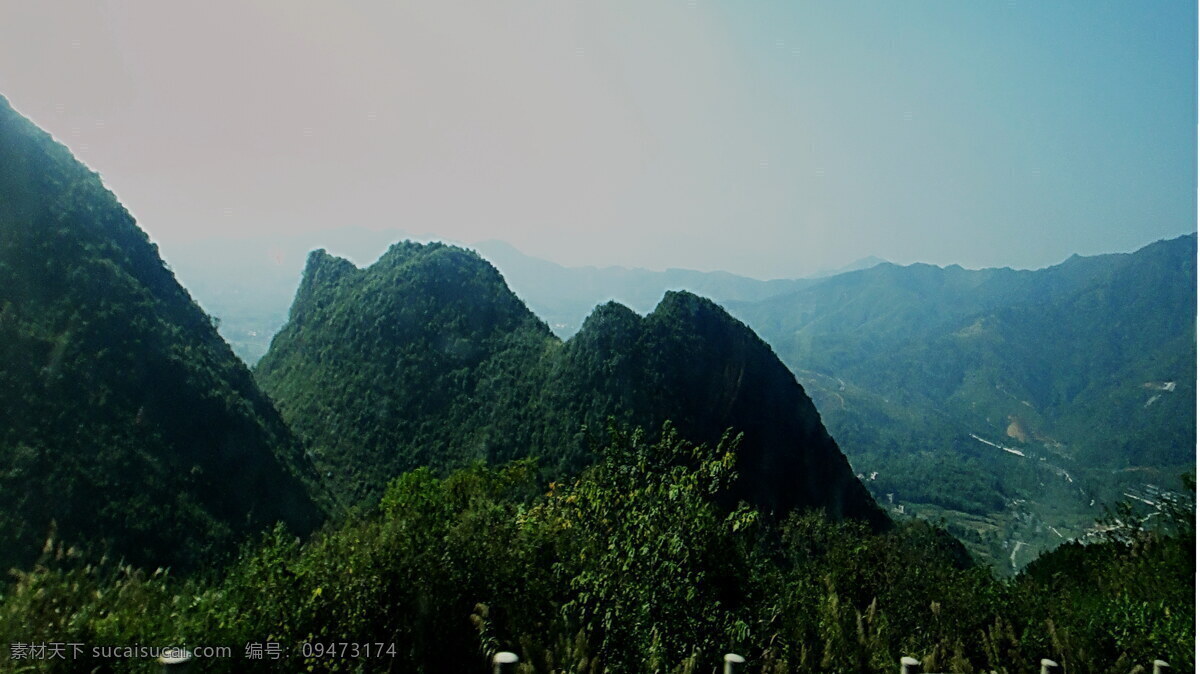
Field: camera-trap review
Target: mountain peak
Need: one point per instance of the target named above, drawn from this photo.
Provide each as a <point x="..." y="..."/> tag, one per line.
<point x="323" y="266"/>
<point x="608" y="314"/>
<point x="685" y="305"/>
<point x="407" y="251"/>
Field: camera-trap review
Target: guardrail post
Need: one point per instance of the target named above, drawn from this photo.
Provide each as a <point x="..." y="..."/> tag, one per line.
<point x="503" y="658"/>
<point x="1050" y="667"/>
<point x="1161" y="667"/>
<point x="910" y="665"/>
<point x="176" y="663"/>
<point x="732" y="659"/>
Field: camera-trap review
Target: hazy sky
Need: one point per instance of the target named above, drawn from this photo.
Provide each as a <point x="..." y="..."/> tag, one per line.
<point x="765" y="138"/>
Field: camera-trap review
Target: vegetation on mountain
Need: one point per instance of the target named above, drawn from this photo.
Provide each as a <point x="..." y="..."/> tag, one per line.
<point x="125" y="422"/>
<point x="413" y="362"/>
<point x="426" y="358"/>
<point x="1012" y="403"/>
<point x="1054" y="348"/>
<point x="628" y="567"/>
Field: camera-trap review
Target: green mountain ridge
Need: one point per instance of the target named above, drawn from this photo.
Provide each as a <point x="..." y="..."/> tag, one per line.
<point x="1048" y="343"/>
<point x="451" y="367"/>
<point x="125" y="421"/>
<point x="1085" y="370"/>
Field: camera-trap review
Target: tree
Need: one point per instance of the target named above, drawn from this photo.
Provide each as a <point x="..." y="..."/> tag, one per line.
<point x="651" y="561"/>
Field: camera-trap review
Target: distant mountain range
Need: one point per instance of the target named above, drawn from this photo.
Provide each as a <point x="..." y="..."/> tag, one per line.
<point x="1071" y="353"/>
<point x="1016" y="404"/>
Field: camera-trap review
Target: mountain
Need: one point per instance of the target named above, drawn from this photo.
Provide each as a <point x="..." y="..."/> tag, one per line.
<point x="416" y="360"/>
<point x="1019" y="353"/>
<point x="125" y="421"/>
<point x="427" y="358"/>
<point x="1024" y="400"/>
<point x="690" y="362"/>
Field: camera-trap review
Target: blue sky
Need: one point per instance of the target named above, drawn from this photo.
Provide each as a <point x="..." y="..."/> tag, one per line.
<point x="765" y="138"/>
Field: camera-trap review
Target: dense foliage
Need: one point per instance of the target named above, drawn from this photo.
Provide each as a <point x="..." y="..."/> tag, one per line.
<point x="125" y="421"/>
<point x="629" y="567"/>
<point x="426" y="358"/>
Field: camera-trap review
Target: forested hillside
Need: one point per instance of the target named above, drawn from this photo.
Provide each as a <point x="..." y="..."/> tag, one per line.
<point x="126" y="423"/>
<point x="1070" y="353"/>
<point x="628" y="567"/>
<point x="1016" y="404"/>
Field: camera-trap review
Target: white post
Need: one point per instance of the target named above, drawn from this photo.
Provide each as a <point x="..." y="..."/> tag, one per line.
<point x="732" y="659"/>
<point x="503" y="658"/>
<point x="177" y="662"/>
<point x="910" y="665"/>
<point x="1050" y="666"/>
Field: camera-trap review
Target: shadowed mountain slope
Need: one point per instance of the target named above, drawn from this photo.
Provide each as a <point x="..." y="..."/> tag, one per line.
<point x="124" y="419"/>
